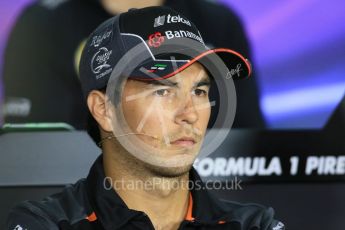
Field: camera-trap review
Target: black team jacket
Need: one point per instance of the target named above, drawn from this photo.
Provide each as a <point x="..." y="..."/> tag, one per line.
<point x="89" y="204"/>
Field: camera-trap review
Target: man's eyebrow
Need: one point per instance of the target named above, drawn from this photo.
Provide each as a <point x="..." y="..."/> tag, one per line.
<point x="202" y="83"/>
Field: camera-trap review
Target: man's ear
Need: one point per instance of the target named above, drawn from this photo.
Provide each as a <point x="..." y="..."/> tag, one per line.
<point x="96" y="101"/>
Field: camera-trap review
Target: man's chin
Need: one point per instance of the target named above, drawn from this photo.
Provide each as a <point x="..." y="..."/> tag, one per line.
<point x="169" y="172"/>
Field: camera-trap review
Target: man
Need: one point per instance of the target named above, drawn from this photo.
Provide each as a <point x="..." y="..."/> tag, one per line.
<point x="152" y="122"/>
<point x="46" y="26"/>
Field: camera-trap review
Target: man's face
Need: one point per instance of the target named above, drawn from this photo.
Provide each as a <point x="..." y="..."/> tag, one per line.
<point x="173" y="113"/>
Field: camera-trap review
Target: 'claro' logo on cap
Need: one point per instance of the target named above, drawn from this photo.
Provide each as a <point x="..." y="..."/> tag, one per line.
<point x="156" y="39"/>
<point x="99" y="60"/>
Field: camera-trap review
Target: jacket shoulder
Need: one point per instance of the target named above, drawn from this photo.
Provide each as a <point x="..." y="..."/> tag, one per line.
<point x="27" y="216"/>
<point x="69" y="205"/>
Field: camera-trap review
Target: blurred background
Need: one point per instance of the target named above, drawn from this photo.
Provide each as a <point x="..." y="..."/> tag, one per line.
<point x="295" y="105"/>
<point x="298" y="48"/>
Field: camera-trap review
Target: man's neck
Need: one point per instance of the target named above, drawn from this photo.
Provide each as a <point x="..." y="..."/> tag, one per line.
<point x="119" y="6"/>
<point x="163" y="199"/>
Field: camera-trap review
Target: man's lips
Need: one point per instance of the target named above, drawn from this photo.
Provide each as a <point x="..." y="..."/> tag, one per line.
<point x="184" y="141"/>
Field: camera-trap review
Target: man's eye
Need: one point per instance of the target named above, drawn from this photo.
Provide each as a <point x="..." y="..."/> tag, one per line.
<point x="200" y="92"/>
<point x="161" y="92"/>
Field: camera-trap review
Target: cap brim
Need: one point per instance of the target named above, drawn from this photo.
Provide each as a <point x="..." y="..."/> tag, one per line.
<point x="238" y="66"/>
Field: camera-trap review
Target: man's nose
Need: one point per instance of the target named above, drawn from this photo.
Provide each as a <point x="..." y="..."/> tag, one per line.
<point x="187" y="113"/>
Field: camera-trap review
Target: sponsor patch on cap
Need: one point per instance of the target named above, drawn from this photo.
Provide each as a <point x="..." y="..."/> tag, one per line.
<point x="97" y="40"/>
<point x="99" y="65"/>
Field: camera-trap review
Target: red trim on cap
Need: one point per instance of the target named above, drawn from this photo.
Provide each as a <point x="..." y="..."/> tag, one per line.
<point x="218" y="50"/>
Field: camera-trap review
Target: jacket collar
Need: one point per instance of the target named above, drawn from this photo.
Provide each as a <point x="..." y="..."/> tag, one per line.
<point x="108" y="206"/>
<point x="113" y="213"/>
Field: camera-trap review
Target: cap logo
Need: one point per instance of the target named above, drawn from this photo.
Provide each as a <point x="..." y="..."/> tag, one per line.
<point x="159" y="21"/>
<point x="178" y="18"/>
<point x="99" y="60"/>
<point x="157" y="67"/>
<point x="156" y="39"/>
<point x="234" y="72"/>
<point x="183" y="34"/>
<point x="98" y="39"/>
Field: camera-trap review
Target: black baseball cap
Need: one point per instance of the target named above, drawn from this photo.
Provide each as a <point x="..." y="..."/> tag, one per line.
<point x="152" y="28"/>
